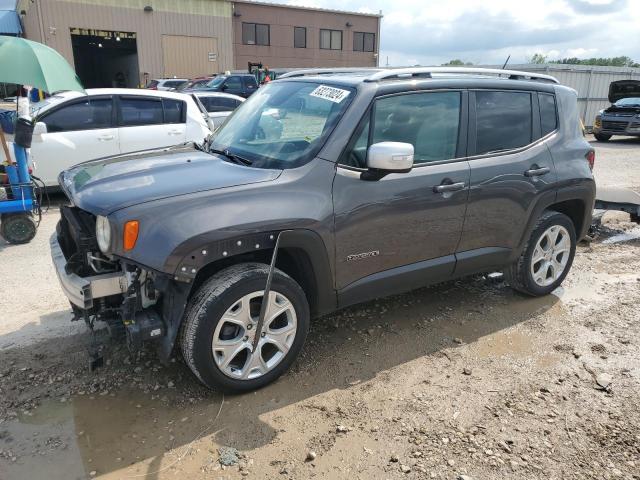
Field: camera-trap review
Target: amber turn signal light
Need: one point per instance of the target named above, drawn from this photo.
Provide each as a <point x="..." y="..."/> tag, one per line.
<point x="130" y="234"/>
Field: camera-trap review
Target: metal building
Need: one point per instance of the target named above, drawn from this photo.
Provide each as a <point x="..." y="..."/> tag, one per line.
<point x="125" y="43"/>
<point x="591" y="83"/>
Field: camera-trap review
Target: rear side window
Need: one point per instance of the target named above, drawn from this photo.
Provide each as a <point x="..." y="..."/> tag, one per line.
<point x="233" y="83"/>
<point x="219" y="104"/>
<point x="548" y="116"/>
<point x="503" y="121"/>
<point x="250" y="82"/>
<point x="85" y="115"/>
<point x="428" y="121"/>
<point x="140" y="111"/>
<point x="174" y="110"/>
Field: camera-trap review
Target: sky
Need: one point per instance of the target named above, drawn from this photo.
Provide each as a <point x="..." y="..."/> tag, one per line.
<point x="432" y="32"/>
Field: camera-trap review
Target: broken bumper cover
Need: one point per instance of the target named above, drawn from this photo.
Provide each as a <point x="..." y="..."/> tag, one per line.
<point x="82" y="291"/>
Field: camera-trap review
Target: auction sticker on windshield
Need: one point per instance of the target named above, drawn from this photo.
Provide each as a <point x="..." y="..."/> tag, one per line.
<point x="335" y="95"/>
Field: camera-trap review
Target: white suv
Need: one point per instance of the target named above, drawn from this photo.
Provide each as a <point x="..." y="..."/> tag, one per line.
<point x="72" y="128"/>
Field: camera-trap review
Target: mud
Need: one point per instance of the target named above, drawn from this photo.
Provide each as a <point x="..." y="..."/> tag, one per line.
<point x="464" y="378"/>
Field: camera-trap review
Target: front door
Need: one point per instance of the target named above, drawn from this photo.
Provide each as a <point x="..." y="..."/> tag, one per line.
<point x="77" y="131"/>
<point x="511" y="168"/>
<point x="234" y="86"/>
<point x="403" y="222"/>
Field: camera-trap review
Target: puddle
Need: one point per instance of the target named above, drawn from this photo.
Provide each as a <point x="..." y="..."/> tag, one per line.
<point x="633" y="234"/>
<point x="103" y="434"/>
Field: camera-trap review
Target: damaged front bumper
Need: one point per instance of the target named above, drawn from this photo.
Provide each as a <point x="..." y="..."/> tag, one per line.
<point x="82" y="291"/>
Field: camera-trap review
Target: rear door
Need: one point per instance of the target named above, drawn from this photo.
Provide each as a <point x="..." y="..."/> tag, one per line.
<point x="150" y="122"/>
<point x="511" y="169"/>
<point x="250" y="85"/>
<point x="79" y="130"/>
<point x="403" y="224"/>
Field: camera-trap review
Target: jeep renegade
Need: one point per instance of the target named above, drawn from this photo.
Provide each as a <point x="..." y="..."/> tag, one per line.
<point x="323" y="190"/>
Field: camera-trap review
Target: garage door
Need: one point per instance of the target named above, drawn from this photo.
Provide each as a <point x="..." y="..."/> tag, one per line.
<point x="189" y="56"/>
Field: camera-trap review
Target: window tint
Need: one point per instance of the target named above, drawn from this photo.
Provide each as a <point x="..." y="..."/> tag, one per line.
<point x="84" y="115"/>
<point x="503" y="120"/>
<point x="140" y="111"/>
<point x="331" y="39"/>
<point x="428" y="121"/>
<point x="364" y="42"/>
<point x="219" y="104"/>
<point x="250" y="81"/>
<point x="174" y="111"/>
<point x="233" y="83"/>
<point x="548" y="117"/>
<point x="255" y="34"/>
<point x="299" y="37"/>
<point x="173" y="83"/>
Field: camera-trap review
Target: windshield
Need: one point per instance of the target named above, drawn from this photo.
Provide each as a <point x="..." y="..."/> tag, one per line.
<point x="283" y="124"/>
<point x="216" y="81"/>
<point x="628" y="102"/>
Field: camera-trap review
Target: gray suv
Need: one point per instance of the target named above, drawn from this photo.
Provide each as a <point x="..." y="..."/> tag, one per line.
<point x="323" y="190"/>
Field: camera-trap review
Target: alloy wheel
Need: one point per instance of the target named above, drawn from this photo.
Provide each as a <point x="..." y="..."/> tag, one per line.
<point x="550" y="255"/>
<point x="235" y="333"/>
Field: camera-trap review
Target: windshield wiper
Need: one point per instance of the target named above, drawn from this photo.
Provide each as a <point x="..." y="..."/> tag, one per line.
<point x="232" y="158"/>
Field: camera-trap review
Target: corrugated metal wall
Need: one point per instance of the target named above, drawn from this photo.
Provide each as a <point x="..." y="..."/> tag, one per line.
<point x="52" y="20"/>
<point x="591" y="83"/>
<point x="189" y="57"/>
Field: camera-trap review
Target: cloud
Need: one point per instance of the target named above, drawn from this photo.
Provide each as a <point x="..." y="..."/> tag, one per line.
<point x="586" y="7"/>
<point x="435" y="31"/>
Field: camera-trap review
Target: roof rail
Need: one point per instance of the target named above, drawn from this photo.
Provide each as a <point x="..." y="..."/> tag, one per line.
<point x="400" y="73"/>
<point x="326" y="71"/>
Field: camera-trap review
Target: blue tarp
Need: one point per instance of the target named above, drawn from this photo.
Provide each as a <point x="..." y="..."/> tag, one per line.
<point x="9" y="19"/>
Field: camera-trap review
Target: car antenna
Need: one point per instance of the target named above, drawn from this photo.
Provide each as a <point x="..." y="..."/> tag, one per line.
<point x="505" y="62"/>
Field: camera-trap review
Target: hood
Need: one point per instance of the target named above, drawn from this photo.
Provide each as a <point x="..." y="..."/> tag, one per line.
<point x="623" y="89"/>
<point x="105" y="185"/>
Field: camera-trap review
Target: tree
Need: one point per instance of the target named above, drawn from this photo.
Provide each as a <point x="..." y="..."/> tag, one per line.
<point x="456" y="63"/>
<point x="622" y="61"/>
<point x="537" y="58"/>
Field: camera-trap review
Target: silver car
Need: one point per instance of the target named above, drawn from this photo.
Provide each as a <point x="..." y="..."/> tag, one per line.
<point x="219" y="105"/>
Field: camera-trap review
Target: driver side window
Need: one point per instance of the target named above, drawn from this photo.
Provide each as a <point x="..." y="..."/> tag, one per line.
<point x="429" y="121"/>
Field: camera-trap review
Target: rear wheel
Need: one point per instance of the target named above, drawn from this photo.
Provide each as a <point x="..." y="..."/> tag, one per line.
<point x="17" y="228"/>
<point x="602" y="137"/>
<point x="219" y="329"/>
<point x="547" y="257"/>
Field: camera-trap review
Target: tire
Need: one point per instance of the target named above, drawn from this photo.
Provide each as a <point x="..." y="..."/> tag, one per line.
<point x="602" y="137"/>
<point x="221" y="296"/>
<point x="548" y="274"/>
<point x="18" y="228"/>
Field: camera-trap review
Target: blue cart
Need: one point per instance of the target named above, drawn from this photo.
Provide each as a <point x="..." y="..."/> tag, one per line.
<point x="18" y="206"/>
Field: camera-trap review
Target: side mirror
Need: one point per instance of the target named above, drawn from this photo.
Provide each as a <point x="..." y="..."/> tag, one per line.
<point x="390" y="157"/>
<point x="224" y="87"/>
<point x="39" y="128"/>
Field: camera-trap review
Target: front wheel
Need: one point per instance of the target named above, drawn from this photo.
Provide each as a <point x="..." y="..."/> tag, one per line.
<point x="219" y="339"/>
<point x="602" y="137"/>
<point x="547" y="257"/>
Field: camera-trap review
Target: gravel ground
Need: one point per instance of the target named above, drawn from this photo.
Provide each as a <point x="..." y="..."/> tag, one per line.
<point x="464" y="380"/>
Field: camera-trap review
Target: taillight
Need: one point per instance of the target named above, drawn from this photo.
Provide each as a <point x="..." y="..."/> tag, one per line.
<point x="591" y="158"/>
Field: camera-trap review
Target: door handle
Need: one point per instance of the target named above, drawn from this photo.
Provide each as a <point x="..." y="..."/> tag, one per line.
<point x="537" y="172"/>
<point x="449" y="187"/>
<point x="106" y="138"/>
<point x="174" y="132"/>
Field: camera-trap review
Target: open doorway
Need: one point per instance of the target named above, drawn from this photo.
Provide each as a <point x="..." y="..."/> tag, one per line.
<point x="105" y="58"/>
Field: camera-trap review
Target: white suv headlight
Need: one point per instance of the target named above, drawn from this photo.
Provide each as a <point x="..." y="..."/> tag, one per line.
<point x="103" y="233"/>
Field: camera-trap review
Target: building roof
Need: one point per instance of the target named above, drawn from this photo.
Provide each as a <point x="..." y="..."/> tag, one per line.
<point x="313" y="9"/>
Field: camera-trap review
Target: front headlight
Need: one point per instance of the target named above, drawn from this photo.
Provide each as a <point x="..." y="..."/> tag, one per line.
<point x="103" y="233"/>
